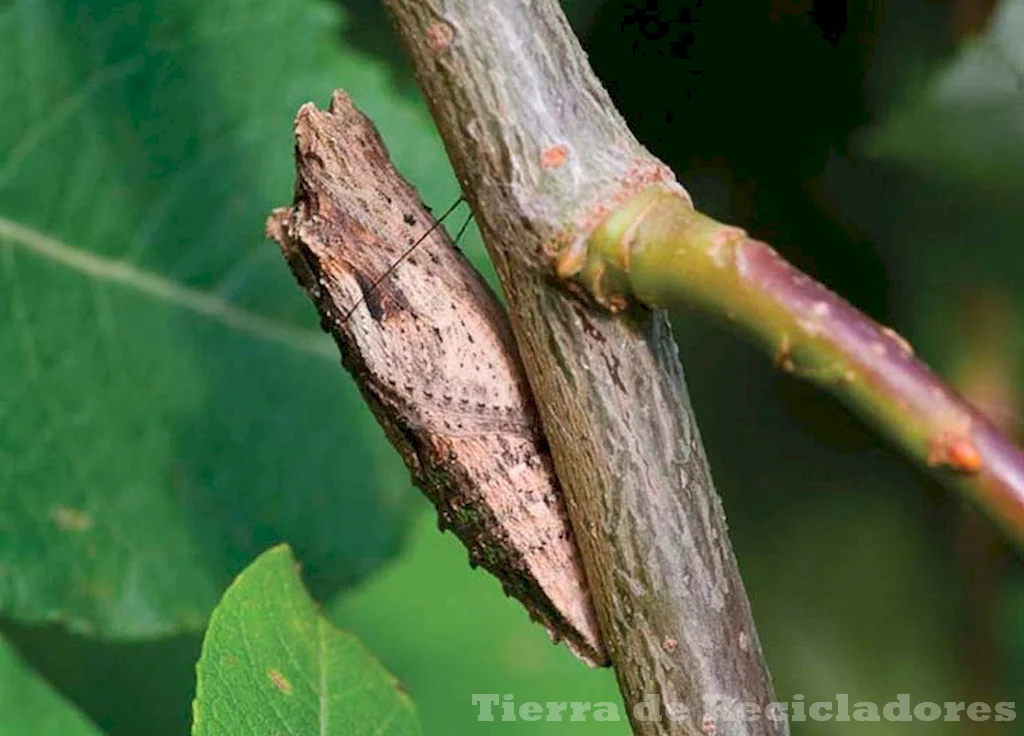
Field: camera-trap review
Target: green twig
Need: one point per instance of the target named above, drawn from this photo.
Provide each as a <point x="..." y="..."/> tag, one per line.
<point x="659" y="250"/>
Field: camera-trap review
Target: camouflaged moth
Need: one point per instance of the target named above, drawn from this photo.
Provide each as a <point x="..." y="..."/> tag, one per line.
<point x="432" y="352"/>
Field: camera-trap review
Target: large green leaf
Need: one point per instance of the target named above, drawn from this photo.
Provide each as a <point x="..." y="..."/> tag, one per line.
<point x="968" y="120"/>
<point x="29" y="706"/>
<point x="272" y="664"/>
<point x="167" y="408"/>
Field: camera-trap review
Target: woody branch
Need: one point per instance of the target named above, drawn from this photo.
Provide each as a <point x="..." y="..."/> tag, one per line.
<point x="540" y="152"/>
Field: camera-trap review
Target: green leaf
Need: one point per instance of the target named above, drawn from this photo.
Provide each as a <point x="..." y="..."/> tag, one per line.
<point x="30" y="706"/>
<point x="271" y="664"/>
<point x="968" y="120"/>
<point x="168" y="409"/>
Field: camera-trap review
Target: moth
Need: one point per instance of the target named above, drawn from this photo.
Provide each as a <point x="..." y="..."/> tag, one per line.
<point x="432" y="352"/>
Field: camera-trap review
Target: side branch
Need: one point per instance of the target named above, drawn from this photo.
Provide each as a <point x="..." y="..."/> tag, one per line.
<point x="662" y="252"/>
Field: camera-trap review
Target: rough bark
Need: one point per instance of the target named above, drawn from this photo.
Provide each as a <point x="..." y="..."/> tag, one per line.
<point x="543" y="156"/>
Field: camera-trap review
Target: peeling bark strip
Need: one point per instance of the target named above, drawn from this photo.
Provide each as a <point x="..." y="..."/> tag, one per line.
<point x="432" y="353"/>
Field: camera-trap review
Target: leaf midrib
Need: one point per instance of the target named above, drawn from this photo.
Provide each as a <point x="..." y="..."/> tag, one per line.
<point x="157" y="287"/>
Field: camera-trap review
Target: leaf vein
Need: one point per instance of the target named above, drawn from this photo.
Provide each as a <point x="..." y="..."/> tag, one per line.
<point x="153" y="285"/>
<point x="324" y="700"/>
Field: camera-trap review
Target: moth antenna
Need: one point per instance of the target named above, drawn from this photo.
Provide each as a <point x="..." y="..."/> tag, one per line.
<point x="401" y="258"/>
<point x="462" y="229"/>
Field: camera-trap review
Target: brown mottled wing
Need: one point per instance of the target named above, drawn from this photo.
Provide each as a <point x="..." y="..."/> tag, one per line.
<point x="432" y="352"/>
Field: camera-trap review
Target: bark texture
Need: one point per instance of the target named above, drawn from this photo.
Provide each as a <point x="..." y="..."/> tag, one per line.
<point x="430" y="348"/>
<point x="543" y="156"/>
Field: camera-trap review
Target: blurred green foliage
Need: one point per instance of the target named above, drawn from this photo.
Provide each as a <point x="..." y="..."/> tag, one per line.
<point x="967" y="121"/>
<point x="449" y="632"/>
<point x="29" y="705"/>
<point x="168" y="409"/>
<point x="149" y="450"/>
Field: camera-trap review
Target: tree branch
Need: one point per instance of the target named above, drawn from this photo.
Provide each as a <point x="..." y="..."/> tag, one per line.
<point x="542" y="156"/>
<point x="661" y="251"/>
